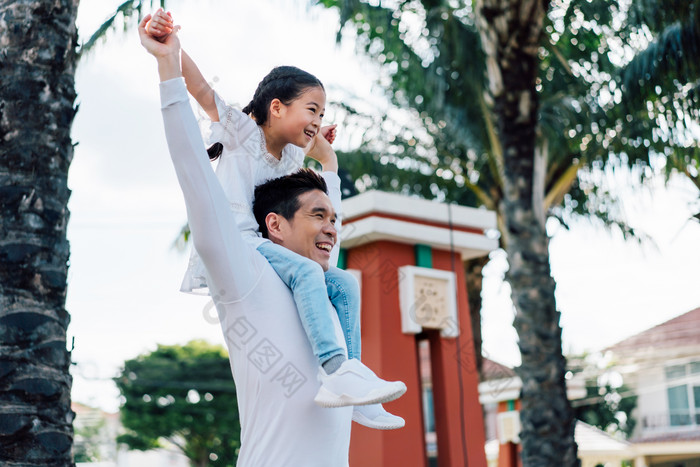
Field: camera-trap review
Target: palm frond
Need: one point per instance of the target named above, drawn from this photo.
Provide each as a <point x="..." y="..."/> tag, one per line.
<point x="665" y="66"/>
<point x="561" y="186"/>
<point x="657" y="15"/>
<point x="599" y="203"/>
<point x="130" y="9"/>
<point x="440" y="75"/>
<point x="660" y="106"/>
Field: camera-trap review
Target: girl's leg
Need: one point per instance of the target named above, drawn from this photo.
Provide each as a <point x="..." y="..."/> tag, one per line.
<point x="343" y="381"/>
<point x="344" y="292"/>
<point x="306" y="279"/>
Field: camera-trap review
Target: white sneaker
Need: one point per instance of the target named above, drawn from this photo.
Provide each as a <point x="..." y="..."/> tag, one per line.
<point x="374" y="416"/>
<point x="355" y="384"/>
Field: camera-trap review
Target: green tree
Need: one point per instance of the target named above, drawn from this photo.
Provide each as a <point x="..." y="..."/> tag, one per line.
<point x="436" y="69"/>
<point x="86" y="442"/>
<point x="511" y="33"/>
<point x="578" y="97"/>
<point x="609" y="403"/>
<point x="183" y="395"/>
<point x="37" y="67"/>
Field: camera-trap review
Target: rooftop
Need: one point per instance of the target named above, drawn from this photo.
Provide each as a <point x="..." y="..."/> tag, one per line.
<point x="667" y="436"/>
<point x="492" y="370"/>
<point x="681" y="331"/>
<point x="594" y="440"/>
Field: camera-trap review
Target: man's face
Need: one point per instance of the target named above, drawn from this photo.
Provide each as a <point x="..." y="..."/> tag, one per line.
<point x="311" y="232"/>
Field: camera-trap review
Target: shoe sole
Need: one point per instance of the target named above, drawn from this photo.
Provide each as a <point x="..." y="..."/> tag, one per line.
<point x="327" y="399"/>
<point x="364" y="421"/>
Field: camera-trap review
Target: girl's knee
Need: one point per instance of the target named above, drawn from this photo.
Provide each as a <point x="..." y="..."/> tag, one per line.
<point x="343" y="280"/>
<point x="309" y="268"/>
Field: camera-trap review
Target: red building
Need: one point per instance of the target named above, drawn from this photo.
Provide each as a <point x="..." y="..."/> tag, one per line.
<point x="407" y="254"/>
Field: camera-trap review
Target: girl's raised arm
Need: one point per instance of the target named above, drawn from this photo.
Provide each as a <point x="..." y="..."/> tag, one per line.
<point x="233" y="265"/>
<point x="198" y="87"/>
<point x="160" y="26"/>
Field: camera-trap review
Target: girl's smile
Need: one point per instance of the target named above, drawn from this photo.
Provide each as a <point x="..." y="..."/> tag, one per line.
<point x="300" y="120"/>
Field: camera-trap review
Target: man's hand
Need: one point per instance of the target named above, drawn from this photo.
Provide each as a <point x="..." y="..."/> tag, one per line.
<point x="160" y="25"/>
<point x="167" y="53"/>
<point x="320" y="149"/>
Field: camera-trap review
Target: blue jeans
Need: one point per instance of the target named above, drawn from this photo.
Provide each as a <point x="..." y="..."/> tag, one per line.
<point x="314" y="292"/>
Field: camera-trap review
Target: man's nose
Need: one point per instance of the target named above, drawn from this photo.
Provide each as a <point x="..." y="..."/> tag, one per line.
<point x="329" y="229"/>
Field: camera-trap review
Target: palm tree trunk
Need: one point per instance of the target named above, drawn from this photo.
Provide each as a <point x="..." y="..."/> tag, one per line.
<point x="511" y="32"/>
<point x="37" y="49"/>
<point x="473" y="272"/>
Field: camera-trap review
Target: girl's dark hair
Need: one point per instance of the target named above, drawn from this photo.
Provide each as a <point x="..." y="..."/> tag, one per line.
<point x="281" y="195"/>
<point x="215" y="151"/>
<point x="285" y="83"/>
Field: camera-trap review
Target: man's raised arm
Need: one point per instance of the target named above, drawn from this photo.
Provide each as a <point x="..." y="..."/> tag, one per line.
<point x="232" y="264"/>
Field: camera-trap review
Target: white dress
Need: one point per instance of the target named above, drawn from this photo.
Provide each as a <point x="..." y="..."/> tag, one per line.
<point x="271" y="359"/>
<point x="244" y="164"/>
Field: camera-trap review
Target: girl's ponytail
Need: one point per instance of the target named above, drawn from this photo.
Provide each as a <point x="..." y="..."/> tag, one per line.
<point x="248" y="108"/>
<point x="215" y="151"/>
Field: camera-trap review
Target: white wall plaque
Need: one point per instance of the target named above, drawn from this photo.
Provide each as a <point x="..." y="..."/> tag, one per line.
<point x="427" y="298"/>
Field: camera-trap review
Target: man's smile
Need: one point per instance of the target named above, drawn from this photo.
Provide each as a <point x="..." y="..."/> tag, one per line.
<point x="325" y="246"/>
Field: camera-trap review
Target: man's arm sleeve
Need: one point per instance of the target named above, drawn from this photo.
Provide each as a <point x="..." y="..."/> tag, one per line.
<point x="230" y="261"/>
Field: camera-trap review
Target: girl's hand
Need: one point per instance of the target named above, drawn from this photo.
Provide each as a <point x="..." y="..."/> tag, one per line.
<point x="320" y="149"/>
<point x="160" y="25"/>
<point x="329" y="133"/>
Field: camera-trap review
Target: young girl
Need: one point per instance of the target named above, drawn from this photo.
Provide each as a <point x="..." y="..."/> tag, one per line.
<point x="266" y="140"/>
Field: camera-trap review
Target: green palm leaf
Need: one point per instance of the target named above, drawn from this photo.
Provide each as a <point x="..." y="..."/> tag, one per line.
<point x="129" y="10"/>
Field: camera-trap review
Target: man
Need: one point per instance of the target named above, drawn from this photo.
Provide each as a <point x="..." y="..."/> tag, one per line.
<point x="272" y="363"/>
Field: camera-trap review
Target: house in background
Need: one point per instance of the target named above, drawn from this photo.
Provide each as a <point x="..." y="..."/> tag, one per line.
<point x="499" y="393"/>
<point x="95" y="434"/>
<point x="662" y="367"/>
<point x="95" y="443"/>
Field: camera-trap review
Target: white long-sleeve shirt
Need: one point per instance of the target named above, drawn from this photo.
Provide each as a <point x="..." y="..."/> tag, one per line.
<point x="273" y="366"/>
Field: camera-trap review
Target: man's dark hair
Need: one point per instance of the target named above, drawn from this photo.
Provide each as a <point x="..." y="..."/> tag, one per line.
<point x="281" y="195"/>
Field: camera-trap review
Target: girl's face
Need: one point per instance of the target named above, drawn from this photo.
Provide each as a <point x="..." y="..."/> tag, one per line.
<point x="300" y="120"/>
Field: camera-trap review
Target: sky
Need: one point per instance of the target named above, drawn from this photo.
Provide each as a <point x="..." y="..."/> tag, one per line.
<point x="126" y="207"/>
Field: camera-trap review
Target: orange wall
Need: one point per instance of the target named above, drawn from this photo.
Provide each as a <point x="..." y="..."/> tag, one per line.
<point x="391" y="354"/>
<point x="394" y="355"/>
<point x="458" y="413"/>
<point x="509" y="453"/>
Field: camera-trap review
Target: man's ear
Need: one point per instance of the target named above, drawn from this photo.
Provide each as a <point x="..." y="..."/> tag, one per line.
<point x="275" y="227"/>
<point x="276" y="108"/>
